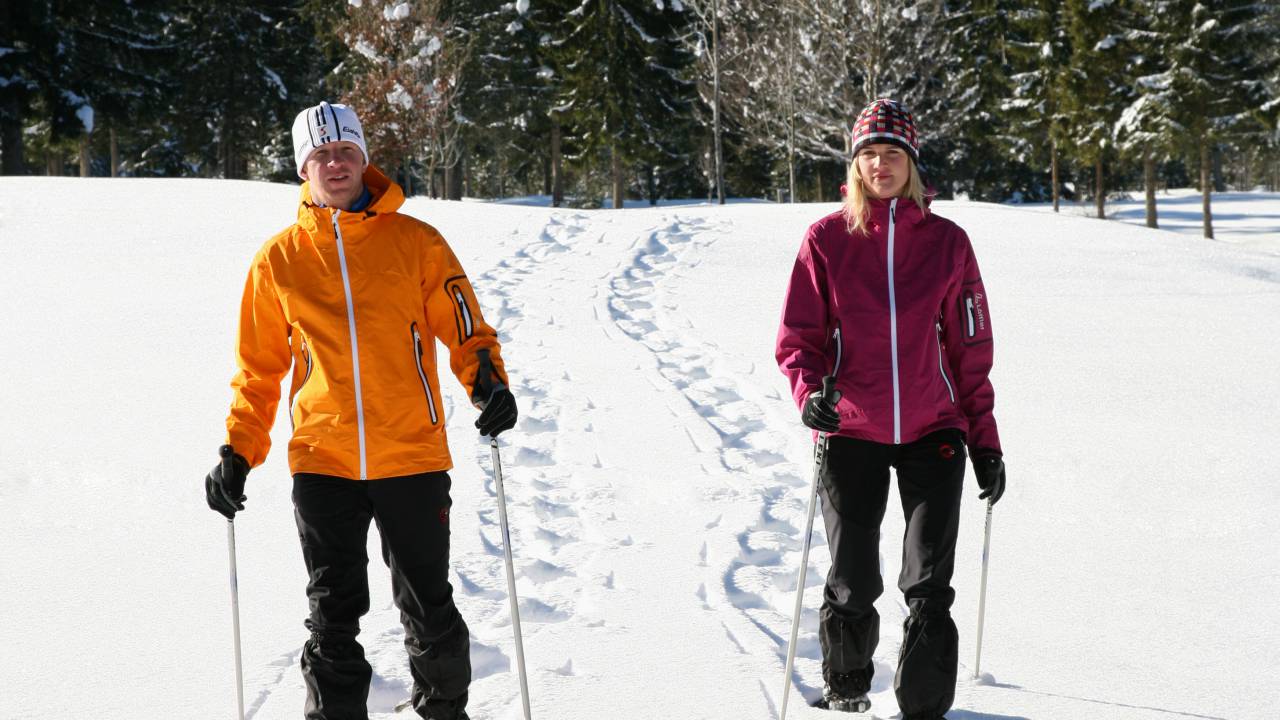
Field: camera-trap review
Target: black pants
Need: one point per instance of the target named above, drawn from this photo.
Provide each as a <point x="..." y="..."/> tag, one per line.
<point x="412" y="514"/>
<point x="855" y="491"/>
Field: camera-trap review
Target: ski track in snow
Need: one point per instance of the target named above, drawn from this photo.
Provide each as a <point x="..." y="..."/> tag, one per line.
<point x="550" y="535"/>
<point x="758" y="575"/>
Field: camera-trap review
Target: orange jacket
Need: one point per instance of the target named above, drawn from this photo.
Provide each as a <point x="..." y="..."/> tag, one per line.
<point x="354" y="302"/>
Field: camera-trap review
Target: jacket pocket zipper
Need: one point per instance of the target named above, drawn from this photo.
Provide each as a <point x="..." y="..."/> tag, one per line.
<point x="835" y="338"/>
<point x="417" y="361"/>
<point x="306" y="357"/>
<point x="942" y="368"/>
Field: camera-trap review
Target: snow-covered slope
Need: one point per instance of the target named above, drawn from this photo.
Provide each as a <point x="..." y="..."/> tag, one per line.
<point x="658" y="477"/>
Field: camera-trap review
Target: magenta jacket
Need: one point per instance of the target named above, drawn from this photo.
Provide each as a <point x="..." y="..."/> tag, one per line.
<point x="900" y="317"/>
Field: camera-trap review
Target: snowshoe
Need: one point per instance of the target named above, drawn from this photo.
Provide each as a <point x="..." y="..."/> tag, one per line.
<point x="844" y="703"/>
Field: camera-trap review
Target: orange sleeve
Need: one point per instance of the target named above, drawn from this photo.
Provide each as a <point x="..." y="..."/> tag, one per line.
<point x="453" y="313"/>
<point x="262" y="353"/>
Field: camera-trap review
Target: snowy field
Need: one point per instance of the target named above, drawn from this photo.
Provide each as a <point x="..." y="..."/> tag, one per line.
<point x="1247" y="219"/>
<point x="658" y="477"/>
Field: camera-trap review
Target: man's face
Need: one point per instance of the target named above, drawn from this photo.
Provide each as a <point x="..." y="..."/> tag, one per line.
<point x="335" y="171"/>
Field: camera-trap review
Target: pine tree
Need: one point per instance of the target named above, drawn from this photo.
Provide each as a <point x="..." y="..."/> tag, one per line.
<point x="1038" y="52"/>
<point x="623" y="93"/>
<point x="40" y="83"/>
<point x="1094" y="88"/>
<point x="507" y="92"/>
<point x="967" y="131"/>
<point x="231" y="101"/>
<point x="1212" y="87"/>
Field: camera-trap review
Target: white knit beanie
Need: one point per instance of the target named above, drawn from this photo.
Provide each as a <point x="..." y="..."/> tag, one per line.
<point x="325" y="123"/>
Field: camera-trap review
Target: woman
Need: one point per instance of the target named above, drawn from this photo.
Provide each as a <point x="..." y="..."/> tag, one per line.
<point x="887" y="297"/>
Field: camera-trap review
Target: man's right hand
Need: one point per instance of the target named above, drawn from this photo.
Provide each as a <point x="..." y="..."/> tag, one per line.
<point x="820" y="412"/>
<point x="224" y="485"/>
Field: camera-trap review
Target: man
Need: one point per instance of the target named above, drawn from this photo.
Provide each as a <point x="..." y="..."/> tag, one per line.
<point x="352" y="298"/>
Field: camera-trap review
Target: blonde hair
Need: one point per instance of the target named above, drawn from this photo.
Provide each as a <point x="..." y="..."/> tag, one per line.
<point x="855" y="201"/>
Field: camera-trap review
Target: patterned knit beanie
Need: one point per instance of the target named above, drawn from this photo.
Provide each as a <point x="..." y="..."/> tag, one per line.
<point x="886" y="121"/>
<point x="323" y="124"/>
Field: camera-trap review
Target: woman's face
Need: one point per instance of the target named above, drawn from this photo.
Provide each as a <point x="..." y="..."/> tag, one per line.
<point x="884" y="169"/>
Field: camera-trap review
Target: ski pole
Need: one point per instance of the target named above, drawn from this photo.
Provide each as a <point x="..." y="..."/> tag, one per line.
<point x="982" y="593"/>
<point x="819" y="457"/>
<point x="235" y="615"/>
<point x="511" y="574"/>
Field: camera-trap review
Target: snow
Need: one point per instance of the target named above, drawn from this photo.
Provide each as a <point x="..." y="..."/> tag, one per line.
<point x="657" y="480"/>
<point x="1249" y="219"/>
<point x="399" y="12"/>
<point x="400" y="96"/>
<point x="522" y="7"/>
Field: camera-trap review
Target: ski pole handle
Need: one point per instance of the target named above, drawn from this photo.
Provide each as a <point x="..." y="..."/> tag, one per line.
<point x="828" y="387"/>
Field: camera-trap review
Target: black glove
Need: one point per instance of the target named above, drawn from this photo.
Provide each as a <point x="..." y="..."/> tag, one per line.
<point x="820" y="411"/>
<point x="499" y="412"/>
<point x="490" y="394"/>
<point x="224" y="485"/>
<point x="989" y="467"/>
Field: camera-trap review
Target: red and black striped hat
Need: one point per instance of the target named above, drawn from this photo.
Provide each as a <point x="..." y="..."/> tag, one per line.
<point x="886" y="121"/>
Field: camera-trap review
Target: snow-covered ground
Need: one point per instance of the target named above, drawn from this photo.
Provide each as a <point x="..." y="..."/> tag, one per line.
<point x="658" y="477"/>
<point x="1249" y="219"/>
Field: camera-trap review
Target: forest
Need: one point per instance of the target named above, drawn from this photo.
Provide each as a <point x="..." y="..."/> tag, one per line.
<point x="595" y="101"/>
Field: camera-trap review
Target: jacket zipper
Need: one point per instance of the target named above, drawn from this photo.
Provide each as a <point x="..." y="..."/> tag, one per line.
<point x="968" y="311"/>
<point x="417" y="359"/>
<point x="835" y="337"/>
<point x="466" y="312"/>
<point x="893" y="329"/>
<point x="306" y="357"/>
<point x="355" y="347"/>
<point x="942" y="368"/>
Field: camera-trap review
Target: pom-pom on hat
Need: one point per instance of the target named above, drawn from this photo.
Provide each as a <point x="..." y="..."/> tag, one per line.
<point x="886" y="121"/>
<point x="322" y="124"/>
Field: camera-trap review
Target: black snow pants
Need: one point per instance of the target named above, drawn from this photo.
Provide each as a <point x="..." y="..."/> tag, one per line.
<point x="855" y="492"/>
<point x="412" y="514"/>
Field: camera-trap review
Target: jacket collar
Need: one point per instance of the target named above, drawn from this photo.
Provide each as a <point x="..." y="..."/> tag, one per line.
<point x="387" y="198"/>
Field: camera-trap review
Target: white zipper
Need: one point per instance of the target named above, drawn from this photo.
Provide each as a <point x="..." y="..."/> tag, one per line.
<point x="835" y="336"/>
<point x="355" y="347"/>
<point x="942" y="368"/>
<point x="417" y="359"/>
<point x="466" y="312"/>
<point x="893" y="330"/>
<point x="968" y="306"/>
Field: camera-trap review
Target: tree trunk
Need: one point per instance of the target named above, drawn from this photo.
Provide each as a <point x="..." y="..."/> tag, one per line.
<point x="455" y="185"/>
<point x="52" y="163"/>
<point x="449" y="172"/>
<point x="1053" y="154"/>
<point x="715" y="107"/>
<point x="1149" y="180"/>
<point x="821" y="198"/>
<point x="615" y="167"/>
<point x="85" y="170"/>
<point x="115" y="153"/>
<point x="1206" y="186"/>
<point x="408" y="178"/>
<point x="11" y="150"/>
<point x="791" y="109"/>
<point x="557" y="172"/>
<point x="1099" y="192"/>
<point x="653" y="186"/>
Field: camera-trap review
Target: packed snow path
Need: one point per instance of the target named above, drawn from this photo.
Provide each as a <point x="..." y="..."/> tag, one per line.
<point x="657" y="478"/>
